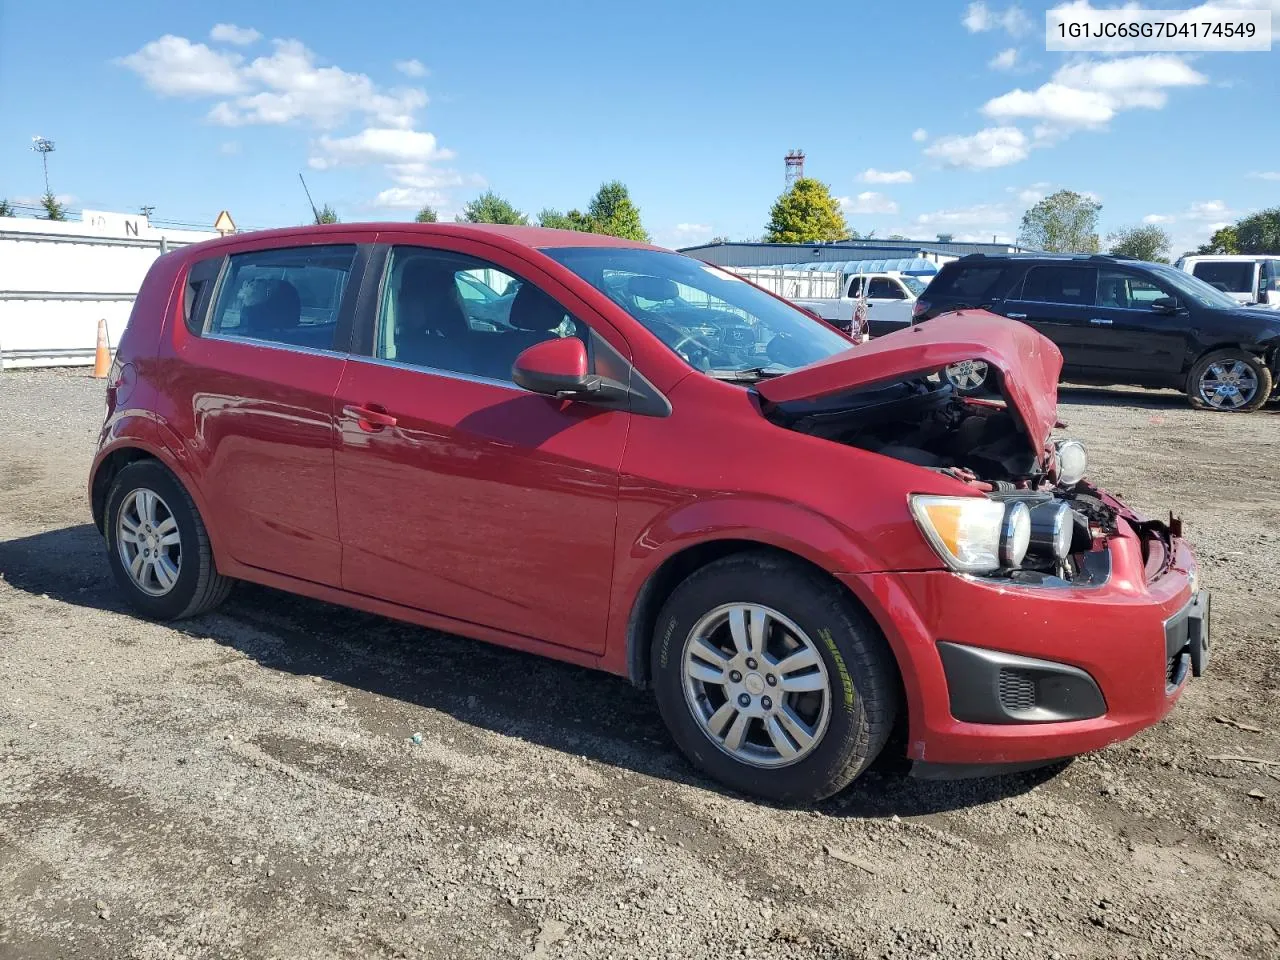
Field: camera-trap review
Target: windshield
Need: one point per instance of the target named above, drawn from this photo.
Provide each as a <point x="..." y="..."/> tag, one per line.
<point x="716" y="322"/>
<point x="1197" y="290"/>
<point x="914" y="285"/>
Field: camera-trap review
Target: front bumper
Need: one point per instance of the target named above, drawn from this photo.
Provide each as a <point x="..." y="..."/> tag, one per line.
<point x="1137" y="637"/>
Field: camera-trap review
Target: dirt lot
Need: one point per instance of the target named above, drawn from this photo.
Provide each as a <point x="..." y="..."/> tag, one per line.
<point x="247" y="785"/>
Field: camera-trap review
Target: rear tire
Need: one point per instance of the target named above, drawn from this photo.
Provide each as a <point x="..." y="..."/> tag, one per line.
<point x="968" y="377"/>
<point x="158" y="546"/>
<point x="1229" y="381"/>
<point x="840" y="692"/>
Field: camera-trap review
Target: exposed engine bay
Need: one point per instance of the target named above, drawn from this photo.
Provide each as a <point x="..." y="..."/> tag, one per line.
<point x="923" y="421"/>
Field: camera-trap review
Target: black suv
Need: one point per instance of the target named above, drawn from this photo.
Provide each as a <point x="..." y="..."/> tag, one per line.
<point x="1118" y="320"/>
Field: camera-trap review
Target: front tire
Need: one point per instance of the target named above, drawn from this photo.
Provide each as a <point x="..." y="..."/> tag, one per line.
<point x="771" y="679"/>
<point x="158" y="546"/>
<point x="1230" y="381"/>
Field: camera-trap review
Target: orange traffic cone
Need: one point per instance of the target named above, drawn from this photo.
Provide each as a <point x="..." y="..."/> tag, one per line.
<point x="102" y="355"/>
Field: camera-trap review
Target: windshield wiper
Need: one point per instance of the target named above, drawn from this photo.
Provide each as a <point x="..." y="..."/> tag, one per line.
<point x="746" y="374"/>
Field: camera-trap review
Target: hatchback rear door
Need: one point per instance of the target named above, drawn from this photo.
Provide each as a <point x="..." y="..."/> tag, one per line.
<point x="249" y="389"/>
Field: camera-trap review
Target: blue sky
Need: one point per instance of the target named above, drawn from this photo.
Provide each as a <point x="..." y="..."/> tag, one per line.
<point x="939" y="117"/>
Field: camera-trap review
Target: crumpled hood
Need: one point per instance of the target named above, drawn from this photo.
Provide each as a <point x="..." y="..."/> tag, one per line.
<point x="1029" y="362"/>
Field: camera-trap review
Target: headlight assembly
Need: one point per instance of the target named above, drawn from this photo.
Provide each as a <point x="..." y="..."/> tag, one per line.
<point x="974" y="534"/>
<point x="1072" y="462"/>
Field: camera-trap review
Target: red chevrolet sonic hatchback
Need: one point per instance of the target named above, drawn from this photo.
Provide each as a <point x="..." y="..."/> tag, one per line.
<point x="618" y="456"/>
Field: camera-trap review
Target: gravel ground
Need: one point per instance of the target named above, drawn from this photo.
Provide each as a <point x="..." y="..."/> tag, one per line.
<point x="247" y="784"/>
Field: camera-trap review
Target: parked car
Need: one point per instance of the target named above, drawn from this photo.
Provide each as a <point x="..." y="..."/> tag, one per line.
<point x="654" y="469"/>
<point x="1248" y="279"/>
<point x="891" y="296"/>
<point x="1118" y="320"/>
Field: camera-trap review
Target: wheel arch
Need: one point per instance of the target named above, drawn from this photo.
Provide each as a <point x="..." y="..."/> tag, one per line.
<point x="105" y="470"/>
<point x="681" y="564"/>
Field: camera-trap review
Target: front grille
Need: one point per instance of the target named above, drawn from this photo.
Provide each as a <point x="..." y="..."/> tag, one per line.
<point x="1017" y="691"/>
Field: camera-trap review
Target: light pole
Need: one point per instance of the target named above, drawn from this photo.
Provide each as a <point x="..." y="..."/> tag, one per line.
<point x="44" y="147"/>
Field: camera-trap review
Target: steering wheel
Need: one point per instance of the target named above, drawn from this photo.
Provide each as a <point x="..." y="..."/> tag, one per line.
<point x="678" y="339"/>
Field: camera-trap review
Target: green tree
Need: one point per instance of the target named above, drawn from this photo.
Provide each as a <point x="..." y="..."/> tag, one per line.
<point x="5" y="209"/>
<point x="1260" y="232"/>
<point x="53" y="210"/>
<point x="1063" y="222"/>
<point x="807" y="213"/>
<point x="426" y="215"/>
<point x="327" y="214"/>
<point x="573" y="220"/>
<point x="491" y="208"/>
<point x="720" y="238"/>
<point x="1224" y="240"/>
<point x="612" y="211"/>
<point x="1143" y="243"/>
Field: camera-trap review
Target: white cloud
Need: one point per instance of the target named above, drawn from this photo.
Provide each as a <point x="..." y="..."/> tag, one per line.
<point x="293" y="87"/>
<point x="992" y="147"/>
<point x="229" y="148"/>
<point x="230" y="33"/>
<point x="176" y="67"/>
<point x="1154" y="218"/>
<point x="979" y="18"/>
<point x="390" y="145"/>
<point x="411" y="68"/>
<point x="872" y="175"/>
<point x="1209" y="210"/>
<point x="920" y="135"/>
<point x="1004" y="60"/>
<point x="1031" y="194"/>
<point x="408" y="198"/>
<point x="1053" y="103"/>
<point x="1266" y="175"/>
<point x="687" y="228"/>
<point x="868" y="202"/>
<point x="1089" y="93"/>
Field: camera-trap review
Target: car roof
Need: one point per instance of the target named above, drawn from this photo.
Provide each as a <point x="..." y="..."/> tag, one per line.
<point x="1232" y="257"/>
<point x="501" y="235"/>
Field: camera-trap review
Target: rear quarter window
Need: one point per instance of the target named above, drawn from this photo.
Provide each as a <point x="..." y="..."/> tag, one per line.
<point x="967" y="282"/>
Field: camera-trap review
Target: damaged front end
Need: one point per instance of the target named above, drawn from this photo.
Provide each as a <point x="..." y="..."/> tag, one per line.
<point x="1037" y="522"/>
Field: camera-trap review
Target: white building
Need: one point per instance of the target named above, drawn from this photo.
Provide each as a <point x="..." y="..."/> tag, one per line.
<point x="59" y="278"/>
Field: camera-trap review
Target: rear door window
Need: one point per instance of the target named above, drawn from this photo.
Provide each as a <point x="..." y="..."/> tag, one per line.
<point x="291" y="296"/>
<point x="1061" y="283"/>
<point x="1228" y="275"/>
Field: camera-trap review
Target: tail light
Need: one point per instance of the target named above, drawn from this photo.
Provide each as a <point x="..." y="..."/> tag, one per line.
<point x="920" y="309"/>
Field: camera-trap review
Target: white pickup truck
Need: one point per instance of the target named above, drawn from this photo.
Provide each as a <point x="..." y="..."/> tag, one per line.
<point x="834" y="297"/>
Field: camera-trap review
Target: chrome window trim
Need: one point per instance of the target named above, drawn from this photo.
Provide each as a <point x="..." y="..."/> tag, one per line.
<point x="436" y="371"/>
<point x="274" y="344"/>
<point x="1082" y="306"/>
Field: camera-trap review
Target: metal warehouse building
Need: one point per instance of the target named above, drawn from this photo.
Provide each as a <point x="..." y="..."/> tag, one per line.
<point x="775" y="254"/>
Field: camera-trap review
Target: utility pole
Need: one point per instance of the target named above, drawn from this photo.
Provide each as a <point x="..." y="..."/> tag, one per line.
<point x="44" y="147"/>
<point x="146" y="211"/>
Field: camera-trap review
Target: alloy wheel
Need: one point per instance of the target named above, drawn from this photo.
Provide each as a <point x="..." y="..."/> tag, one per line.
<point x="149" y="542"/>
<point x="756" y="684"/>
<point x="967" y="374"/>
<point x="1228" y="384"/>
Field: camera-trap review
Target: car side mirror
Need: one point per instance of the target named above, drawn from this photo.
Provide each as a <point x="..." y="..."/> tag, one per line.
<point x="558" y="368"/>
<point x="1164" y="305"/>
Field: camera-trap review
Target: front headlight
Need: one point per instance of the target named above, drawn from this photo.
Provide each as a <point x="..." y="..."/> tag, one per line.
<point x="1072" y="462"/>
<point x="974" y="534"/>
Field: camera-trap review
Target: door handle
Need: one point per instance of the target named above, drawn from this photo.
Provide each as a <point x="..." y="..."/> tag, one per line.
<point x="371" y="418"/>
<point x="1016" y="316"/>
<point x="1100" y="321"/>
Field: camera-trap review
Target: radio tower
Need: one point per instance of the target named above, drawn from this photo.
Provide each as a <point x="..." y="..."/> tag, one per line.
<point x="795" y="167"/>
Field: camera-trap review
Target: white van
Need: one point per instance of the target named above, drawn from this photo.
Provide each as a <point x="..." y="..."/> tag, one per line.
<point x="1252" y="279"/>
